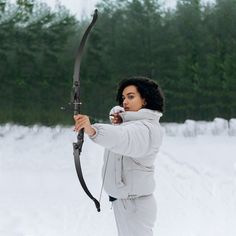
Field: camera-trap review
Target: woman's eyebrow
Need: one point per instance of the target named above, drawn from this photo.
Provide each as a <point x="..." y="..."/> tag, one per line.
<point x="128" y="93"/>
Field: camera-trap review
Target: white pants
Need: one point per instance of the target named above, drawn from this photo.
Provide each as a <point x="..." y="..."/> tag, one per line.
<point x="135" y="217"/>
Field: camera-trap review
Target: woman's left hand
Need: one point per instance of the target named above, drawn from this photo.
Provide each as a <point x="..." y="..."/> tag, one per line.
<point x="83" y="122"/>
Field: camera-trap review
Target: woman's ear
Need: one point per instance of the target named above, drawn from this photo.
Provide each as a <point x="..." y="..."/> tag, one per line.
<point x="144" y="103"/>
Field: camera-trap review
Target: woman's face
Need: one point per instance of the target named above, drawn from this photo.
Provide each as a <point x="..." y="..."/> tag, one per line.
<point x="132" y="100"/>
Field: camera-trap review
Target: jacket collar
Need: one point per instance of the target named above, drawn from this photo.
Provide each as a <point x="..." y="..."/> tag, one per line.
<point x="142" y="114"/>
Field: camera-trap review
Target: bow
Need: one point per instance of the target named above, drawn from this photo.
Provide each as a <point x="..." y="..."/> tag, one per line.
<point x="77" y="146"/>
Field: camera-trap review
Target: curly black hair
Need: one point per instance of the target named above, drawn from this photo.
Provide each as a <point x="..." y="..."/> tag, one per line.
<point x="148" y="89"/>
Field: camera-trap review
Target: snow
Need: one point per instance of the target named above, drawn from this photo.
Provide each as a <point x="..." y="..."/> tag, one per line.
<point x="40" y="194"/>
<point x="192" y="128"/>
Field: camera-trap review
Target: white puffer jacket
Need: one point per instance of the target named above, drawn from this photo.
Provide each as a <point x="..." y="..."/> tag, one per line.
<point x="130" y="152"/>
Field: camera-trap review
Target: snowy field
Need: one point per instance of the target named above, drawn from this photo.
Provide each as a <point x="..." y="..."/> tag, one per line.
<point x="40" y="194"/>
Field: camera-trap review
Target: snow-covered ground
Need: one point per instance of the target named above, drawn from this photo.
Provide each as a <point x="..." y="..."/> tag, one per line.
<point x="40" y="194"/>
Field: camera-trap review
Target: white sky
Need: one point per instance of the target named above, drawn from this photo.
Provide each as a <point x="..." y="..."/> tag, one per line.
<point x="81" y="7"/>
<point x="77" y="7"/>
<point x="86" y="7"/>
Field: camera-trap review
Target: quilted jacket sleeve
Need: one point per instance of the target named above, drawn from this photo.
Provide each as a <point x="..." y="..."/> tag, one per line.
<point x="135" y="139"/>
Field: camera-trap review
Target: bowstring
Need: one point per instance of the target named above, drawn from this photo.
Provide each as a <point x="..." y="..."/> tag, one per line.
<point x="103" y="179"/>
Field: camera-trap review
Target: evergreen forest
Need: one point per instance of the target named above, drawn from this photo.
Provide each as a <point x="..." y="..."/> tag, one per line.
<point x="189" y="50"/>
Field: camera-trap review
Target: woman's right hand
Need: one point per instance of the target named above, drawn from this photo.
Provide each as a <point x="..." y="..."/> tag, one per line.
<point x="116" y="118"/>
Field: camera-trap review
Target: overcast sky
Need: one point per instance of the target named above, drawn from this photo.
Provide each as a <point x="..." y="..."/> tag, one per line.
<point x="77" y="7"/>
<point x="86" y="7"/>
<point x="80" y="7"/>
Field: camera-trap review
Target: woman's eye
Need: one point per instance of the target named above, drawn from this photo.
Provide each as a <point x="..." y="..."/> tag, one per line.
<point x="128" y="97"/>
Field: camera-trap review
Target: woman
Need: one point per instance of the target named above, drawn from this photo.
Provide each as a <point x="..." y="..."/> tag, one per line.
<point x="131" y="147"/>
